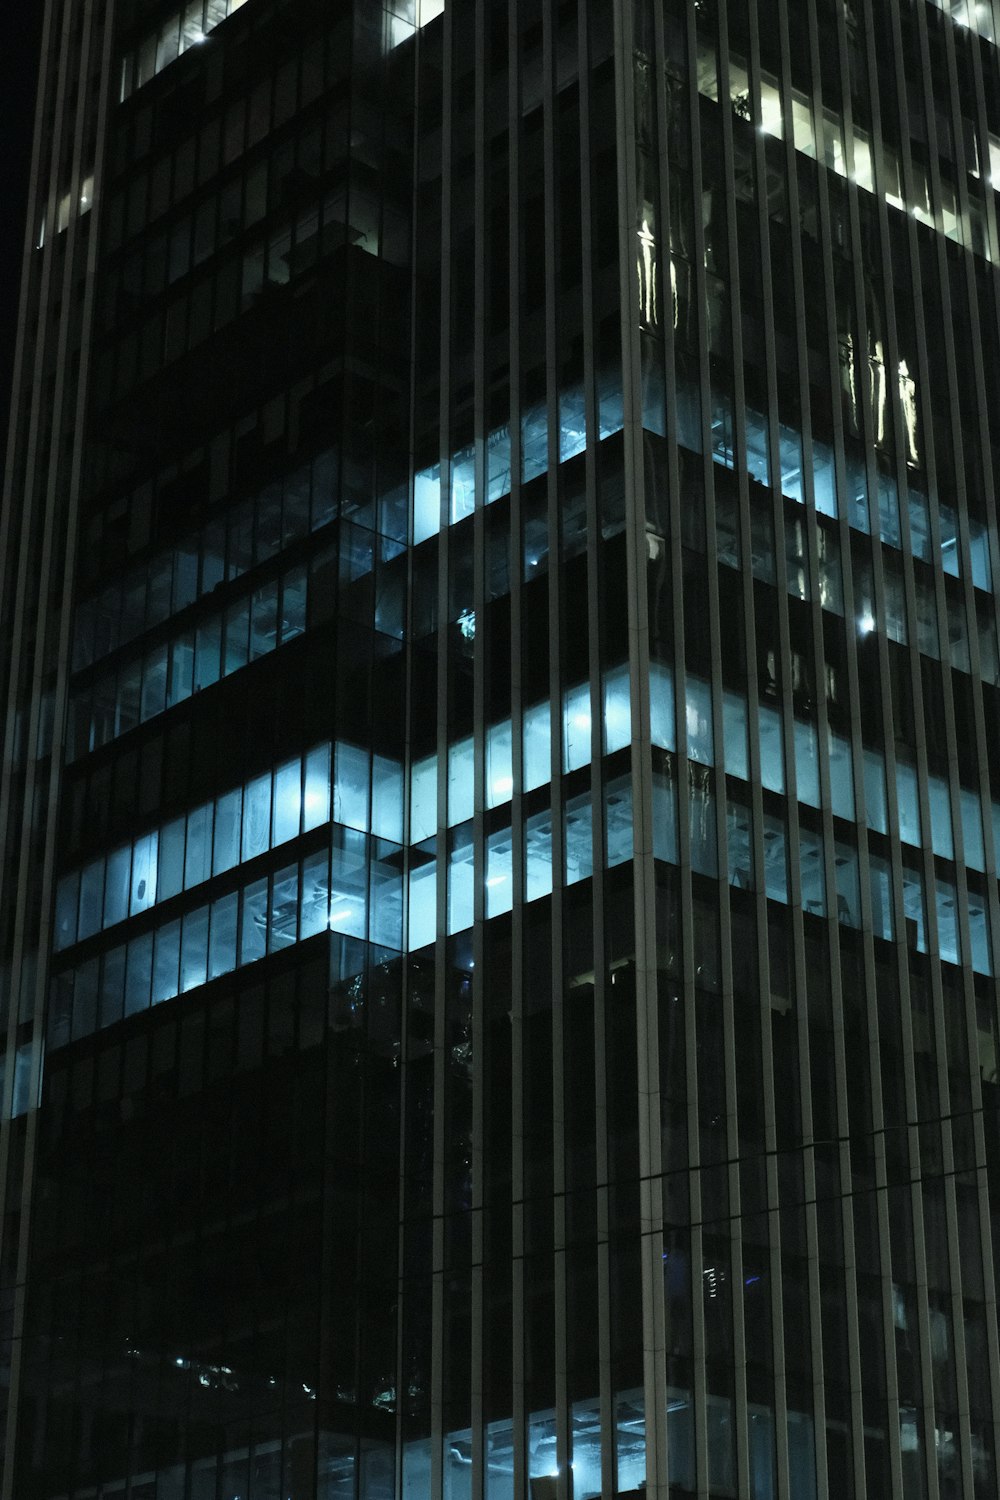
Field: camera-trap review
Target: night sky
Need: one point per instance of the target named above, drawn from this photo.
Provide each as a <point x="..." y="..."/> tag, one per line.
<point x="20" y="33"/>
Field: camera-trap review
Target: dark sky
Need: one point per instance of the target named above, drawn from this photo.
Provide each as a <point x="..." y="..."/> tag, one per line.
<point x="20" y="37"/>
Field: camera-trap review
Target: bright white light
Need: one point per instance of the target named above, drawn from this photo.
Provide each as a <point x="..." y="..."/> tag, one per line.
<point x="495" y="880"/>
<point x="503" y="787"/>
<point x="866" y="624"/>
<point x="341" y="914"/>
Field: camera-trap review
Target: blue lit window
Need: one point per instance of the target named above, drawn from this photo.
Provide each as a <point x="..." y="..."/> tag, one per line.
<point x="194" y="948"/>
<point x="253" y="923"/>
<point x="423" y="799"/>
<point x="875" y="799"/>
<point x="460" y="781"/>
<point x="908" y="805"/>
<point x="578" y="838"/>
<point x="538" y="855"/>
<point x="499" y="873"/>
<point x="144" y="852"/>
<point x="499" y="770"/>
<point x="166" y="961"/>
<point x="811" y="873"/>
<point x="617" y="710"/>
<point x="461" y="880"/>
<point x="698" y="718"/>
<point x="772" y="753"/>
<point x="576" y="727"/>
<point x="222" y="935"/>
<point x="537" y="746"/>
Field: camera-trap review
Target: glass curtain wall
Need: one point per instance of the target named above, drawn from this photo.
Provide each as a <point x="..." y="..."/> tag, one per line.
<point x="521" y="1020"/>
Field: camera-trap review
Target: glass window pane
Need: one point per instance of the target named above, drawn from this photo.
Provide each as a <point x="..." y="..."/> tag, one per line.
<point x="264" y="620"/>
<point x="154" y="683"/>
<point x="698" y="718"/>
<point x="909" y="807"/>
<point x="138" y="973"/>
<point x="499" y="873"/>
<point x="423" y="903"/>
<point x="875" y="799"/>
<point x="661" y="706"/>
<point x="284" y="920"/>
<point x="181" y="679"/>
<point x="807" y="763"/>
<point x="350" y="786"/>
<point x="112" y="987"/>
<point x="287" y="806"/>
<point x="198" y="853"/>
<point x="842" y="778"/>
<point x="293" y="604"/>
<point x="461" y="888"/>
<point x="576" y="727"/>
<point x="538" y="855"/>
<point x="194" y="949"/>
<point x="739" y="845"/>
<point x="947" y="917"/>
<point x="208" y="647"/>
<point x="67" y="901"/>
<point x="226" y="840"/>
<point x="144" y="853"/>
<point x="537" y="739"/>
<point x="315" y="894"/>
<point x="237" y="632"/>
<point x="979" y="936"/>
<point x="979" y="546"/>
<point x="349" y="883"/>
<point x="499" y="774"/>
<point x="775" y="858"/>
<point x="222" y="936"/>
<point x="166" y="961"/>
<point x="881" y="895"/>
<point x="460" y="781"/>
<point x="579" y="838"/>
<point x="939" y="798"/>
<point x="845" y="860"/>
<point x="129" y="696"/>
<point x="811" y="872"/>
<point x="972" y="830"/>
<point x="253" y="924"/>
<point x="170" y="871"/>
<point x="85" y="998"/>
<point x="734" y="728"/>
<point x="387" y="798"/>
<point x="316" y="805"/>
<point x="913" y="909"/>
<point x="256" y="816"/>
<point x="949" y="540"/>
<point x="618" y="820"/>
<point x="90" y="897"/>
<point x="116" y="885"/>
<point x="423" y="799"/>
<point x="617" y="710"/>
<point x="772" y="756"/>
<point x="701" y="820"/>
<point x="665" y="814"/>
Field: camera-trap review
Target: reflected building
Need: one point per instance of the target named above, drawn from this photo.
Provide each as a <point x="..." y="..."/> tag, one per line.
<point x="501" y="800"/>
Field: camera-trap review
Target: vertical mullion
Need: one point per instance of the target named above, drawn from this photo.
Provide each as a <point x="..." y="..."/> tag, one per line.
<point x="519" y="855"/>
<point x="439" y="1196"/>
<point x="650" y="1140"/>
<point x="479" y="862"/>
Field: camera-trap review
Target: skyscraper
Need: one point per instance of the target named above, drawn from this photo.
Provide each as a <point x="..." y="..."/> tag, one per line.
<point x="501" y="788"/>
